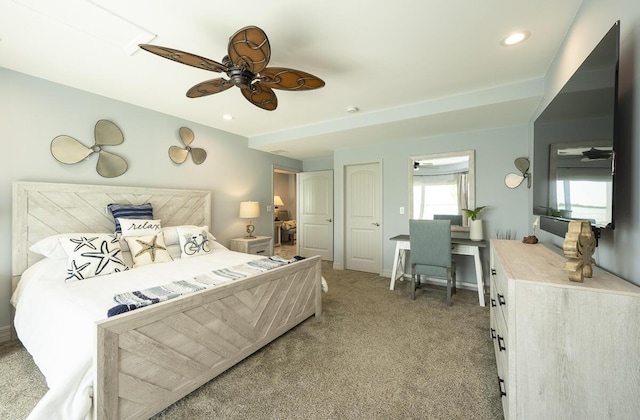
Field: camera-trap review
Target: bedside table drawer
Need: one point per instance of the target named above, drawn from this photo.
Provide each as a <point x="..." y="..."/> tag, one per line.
<point x="259" y="248"/>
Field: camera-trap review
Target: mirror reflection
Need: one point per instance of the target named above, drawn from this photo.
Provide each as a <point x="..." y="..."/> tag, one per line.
<point x="441" y="185"/>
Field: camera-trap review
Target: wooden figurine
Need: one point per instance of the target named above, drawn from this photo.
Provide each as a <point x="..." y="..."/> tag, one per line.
<point x="579" y="245"/>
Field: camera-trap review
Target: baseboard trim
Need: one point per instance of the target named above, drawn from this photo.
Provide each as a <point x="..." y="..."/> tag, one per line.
<point x="5" y="334"/>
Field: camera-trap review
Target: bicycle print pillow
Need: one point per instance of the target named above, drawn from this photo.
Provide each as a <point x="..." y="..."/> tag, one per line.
<point x="193" y="242"/>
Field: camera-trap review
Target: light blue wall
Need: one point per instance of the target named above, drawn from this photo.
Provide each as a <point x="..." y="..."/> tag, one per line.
<point x="34" y="111"/>
<point x="619" y="249"/>
<point x="320" y="164"/>
<point x="495" y="151"/>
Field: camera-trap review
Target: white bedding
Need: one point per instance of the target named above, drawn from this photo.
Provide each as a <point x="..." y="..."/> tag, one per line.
<point x="56" y="321"/>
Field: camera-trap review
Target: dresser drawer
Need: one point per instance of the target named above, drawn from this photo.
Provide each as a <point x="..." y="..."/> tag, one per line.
<point x="499" y="336"/>
<point x="499" y="298"/>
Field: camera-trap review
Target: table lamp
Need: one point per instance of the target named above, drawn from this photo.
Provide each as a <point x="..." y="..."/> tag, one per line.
<point x="249" y="210"/>
<point x="277" y="202"/>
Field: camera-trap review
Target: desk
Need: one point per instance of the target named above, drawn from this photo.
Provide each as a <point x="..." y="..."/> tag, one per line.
<point x="460" y="247"/>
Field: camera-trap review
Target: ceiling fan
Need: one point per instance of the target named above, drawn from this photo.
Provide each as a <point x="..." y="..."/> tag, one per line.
<point x="246" y="66"/>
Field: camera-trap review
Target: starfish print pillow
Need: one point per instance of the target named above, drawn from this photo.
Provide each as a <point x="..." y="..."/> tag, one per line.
<point x="92" y="255"/>
<point x="149" y="249"/>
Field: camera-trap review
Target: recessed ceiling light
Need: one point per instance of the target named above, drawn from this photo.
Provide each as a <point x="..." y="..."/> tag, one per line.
<point x="515" y="38"/>
<point x="352" y="109"/>
<point x="227" y="117"/>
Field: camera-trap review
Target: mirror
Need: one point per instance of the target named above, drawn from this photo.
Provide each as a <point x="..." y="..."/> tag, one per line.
<point x="441" y="185"/>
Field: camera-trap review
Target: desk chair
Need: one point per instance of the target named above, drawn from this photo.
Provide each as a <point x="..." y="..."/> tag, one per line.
<point x="288" y="228"/>
<point x="431" y="253"/>
<point x="456" y="219"/>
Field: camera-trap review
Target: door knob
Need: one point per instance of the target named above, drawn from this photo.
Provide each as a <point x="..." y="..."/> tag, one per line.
<point x="375" y="224"/>
<point x="328" y="220"/>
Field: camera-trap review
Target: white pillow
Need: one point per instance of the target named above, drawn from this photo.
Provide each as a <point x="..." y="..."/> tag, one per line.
<point x="193" y="241"/>
<point x="51" y="247"/>
<point x="148" y="249"/>
<point x="171" y="236"/>
<point x="92" y="255"/>
<point x="139" y="227"/>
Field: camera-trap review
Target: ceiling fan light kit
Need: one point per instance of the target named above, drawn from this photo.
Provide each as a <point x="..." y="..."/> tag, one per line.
<point x="245" y="65"/>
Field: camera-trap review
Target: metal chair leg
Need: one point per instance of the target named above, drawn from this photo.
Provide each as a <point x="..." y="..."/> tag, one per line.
<point x="413" y="282"/>
<point x="449" y="281"/>
<point x="454" y="282"/>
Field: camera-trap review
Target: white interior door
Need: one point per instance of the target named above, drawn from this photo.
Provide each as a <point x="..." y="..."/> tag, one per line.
<point x="363" y="217"/>
<point x="315" y="214"/>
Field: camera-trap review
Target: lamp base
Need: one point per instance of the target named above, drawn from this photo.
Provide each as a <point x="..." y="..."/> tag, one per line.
<point x="250" y="229"/>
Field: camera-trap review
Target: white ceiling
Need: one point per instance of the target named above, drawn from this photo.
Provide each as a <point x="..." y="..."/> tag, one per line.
<point x="413" y="67"/>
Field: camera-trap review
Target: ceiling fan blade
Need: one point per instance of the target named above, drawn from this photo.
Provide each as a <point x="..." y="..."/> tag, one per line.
<point x="186" y="135"/>
<point x="107" y="133"/>
<point x="110" y="165"/>
<point x="209" y="87"/>
<point x="177" y="154"/>
<point x="185" y="58"/>
<point x="198" y="155"/>
<point x="289" y="79"/>
<point x="249" y="47"/>
<point x="68" y="150"/>
<point x="261" y="96"/>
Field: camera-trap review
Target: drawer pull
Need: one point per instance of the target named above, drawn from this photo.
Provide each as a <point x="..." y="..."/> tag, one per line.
<point x="501" y="346"/>
<point x="493" y="271"/>
<point x="493" y="333"/>
<point x="503" y="392"/>
<point x="260" y="252"/>
<point x="493" y="302"/>
<point x="501" y="300"/>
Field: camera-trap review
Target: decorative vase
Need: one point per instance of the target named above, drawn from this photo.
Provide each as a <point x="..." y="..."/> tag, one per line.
<point x="475" y="230"/>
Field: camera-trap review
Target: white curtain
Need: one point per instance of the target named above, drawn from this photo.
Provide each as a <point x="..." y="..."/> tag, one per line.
<point x="463" y="194"/>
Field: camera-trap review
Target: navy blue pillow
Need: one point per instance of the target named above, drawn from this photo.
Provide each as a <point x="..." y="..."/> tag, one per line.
<point x="130" y="211"/>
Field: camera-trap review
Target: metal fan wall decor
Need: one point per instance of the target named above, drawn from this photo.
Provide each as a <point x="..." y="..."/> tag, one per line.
<point x="245" y="64"/>
<point x="68" y="150"/>
<point x="179" y="155"/>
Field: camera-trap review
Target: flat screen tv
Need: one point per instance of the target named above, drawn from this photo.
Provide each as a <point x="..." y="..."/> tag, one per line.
<point x="575" y="142"/>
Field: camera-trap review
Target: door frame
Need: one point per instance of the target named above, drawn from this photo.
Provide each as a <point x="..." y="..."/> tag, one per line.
<point x="343" y="222"/>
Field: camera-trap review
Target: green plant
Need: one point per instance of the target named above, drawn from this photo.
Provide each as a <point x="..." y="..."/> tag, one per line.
<point x="473" y="214"/>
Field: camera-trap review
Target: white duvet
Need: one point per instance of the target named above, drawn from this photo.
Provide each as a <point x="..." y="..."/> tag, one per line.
<point x="56" y="322"/>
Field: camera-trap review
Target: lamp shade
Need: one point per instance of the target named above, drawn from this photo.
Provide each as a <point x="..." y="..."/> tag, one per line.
<point x="249" y="209"/>
<point x="277" y="201"/>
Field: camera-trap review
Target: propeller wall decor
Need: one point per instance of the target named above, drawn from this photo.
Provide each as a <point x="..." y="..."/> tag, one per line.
<point x="68" y="150"/>
<point x="179" y="155"/>
<point x="246" y="66"/>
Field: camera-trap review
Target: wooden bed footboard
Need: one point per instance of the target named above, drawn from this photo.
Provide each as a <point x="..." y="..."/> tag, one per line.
<point x="150" y="358"/>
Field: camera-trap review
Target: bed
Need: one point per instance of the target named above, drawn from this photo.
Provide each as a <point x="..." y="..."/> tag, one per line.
<point x="142" y="361"/>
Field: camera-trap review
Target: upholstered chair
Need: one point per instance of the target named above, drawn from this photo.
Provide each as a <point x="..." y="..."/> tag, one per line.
<point x="430" y="254"/>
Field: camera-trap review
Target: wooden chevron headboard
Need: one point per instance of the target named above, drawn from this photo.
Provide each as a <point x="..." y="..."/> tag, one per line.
<point x="42" y="209"/>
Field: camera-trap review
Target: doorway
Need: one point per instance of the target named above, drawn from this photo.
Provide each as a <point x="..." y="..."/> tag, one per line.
<point x="285" y="212"/>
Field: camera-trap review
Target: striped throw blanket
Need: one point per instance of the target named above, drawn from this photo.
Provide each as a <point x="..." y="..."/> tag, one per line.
<point x="128" y="301"/>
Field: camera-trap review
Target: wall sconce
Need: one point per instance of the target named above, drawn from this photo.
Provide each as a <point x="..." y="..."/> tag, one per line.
<point x="514" y="180"/>
<point x="249" y="210"/>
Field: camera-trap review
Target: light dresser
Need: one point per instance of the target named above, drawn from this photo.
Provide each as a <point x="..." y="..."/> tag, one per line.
<point x="258" y="245"/>
<point x="564" y="350"/>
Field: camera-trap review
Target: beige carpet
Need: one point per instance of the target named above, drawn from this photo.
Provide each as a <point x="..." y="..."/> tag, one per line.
<point x="373" y="354"/>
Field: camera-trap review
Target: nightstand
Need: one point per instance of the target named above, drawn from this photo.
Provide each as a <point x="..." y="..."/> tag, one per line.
<point x="260" y="245"/>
